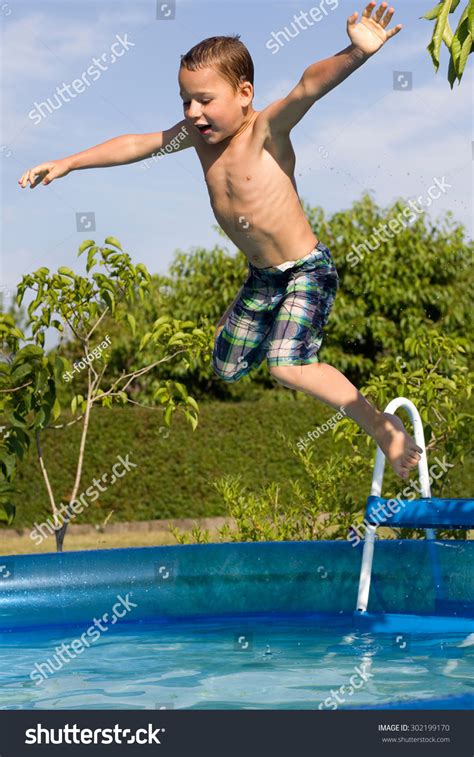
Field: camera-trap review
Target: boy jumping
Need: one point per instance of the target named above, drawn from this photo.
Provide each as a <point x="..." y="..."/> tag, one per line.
<point x="248" y="163"/>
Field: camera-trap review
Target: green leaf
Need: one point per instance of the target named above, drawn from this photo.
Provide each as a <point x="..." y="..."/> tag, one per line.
<point x="7" y="512"/>
<point x="465" y="51"/>
<point x="91" y="260"/>
<point x="109" y="299"/>
<point x="181" y="389"/>
<point x="132" y="322"/>
<point x="434" y="12"/>
<point x="435" y="42"/>
<point x="169" y="413"/>
<point x="65" y="271"/>
<point x="114" y="242"/>
<point x="85" y="245"/>
<point x="41" y="272"/>
<point x="20" y="372"/>
<point x="193" y="421"/>
<point x="8" y="463"/>
<point x="470" y="15"/>
<point x="191" y="401"/>
<point x="56" y="409"/>
<point x="40" y="419"/>
<point x="145" y="339"/>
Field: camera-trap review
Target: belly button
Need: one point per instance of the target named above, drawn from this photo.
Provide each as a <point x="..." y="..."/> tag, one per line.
<point x="248" y="177"/>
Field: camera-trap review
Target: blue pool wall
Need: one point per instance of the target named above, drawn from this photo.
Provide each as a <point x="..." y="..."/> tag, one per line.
<point x="238" y="578"/>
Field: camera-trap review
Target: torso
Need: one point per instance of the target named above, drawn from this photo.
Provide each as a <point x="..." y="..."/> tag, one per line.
<point x="254" y="195"/>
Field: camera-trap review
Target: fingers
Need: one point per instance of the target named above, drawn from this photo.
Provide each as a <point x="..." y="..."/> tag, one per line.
<point x="368" y="10"/>
<point x="380" y="11"/>
<point x="27" y="177"/>
<point x="394" y="31"/>
<point x="33" y="176"/>
<point x="386" y="19"/>
<point x="378" y="16"/>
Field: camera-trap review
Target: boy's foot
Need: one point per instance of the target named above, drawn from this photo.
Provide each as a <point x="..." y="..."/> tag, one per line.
<point x="397" y="445"/>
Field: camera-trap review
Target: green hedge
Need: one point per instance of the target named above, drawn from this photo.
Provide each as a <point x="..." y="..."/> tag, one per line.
<point x="175" y="474"/>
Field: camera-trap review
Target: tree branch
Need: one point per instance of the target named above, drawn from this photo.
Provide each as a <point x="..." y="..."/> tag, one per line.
<point x="134" y="375"/>
<point x="16" y="388"/>
<point x="46" y="478"/>
<point x="82" y="446"/>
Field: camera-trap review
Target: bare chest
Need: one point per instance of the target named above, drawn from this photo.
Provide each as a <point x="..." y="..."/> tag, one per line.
<point x="241" y="176"/>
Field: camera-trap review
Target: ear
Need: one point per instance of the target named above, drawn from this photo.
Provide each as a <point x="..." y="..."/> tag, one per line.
<point x="246" y="90"/>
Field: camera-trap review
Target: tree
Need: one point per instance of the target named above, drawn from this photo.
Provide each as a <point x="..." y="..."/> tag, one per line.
<point x="459" y="43"/>
<point x="30" y="377"/>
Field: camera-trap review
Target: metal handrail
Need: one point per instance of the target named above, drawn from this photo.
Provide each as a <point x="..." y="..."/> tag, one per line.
<point x="376" y="490"/>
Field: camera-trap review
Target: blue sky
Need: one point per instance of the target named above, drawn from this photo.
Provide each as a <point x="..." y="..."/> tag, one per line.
<point x="364" y="135"/>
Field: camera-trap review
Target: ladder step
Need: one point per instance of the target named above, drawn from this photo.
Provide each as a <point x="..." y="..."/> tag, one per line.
<point x="426" y="512"/>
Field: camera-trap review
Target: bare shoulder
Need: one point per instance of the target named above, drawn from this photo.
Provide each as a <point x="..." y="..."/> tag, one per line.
<point x="277" y="143"/>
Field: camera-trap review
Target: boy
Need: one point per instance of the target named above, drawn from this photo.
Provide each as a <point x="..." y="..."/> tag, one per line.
<point x="248" y="163"/>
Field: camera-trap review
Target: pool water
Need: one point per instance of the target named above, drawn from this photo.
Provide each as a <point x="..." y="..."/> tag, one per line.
<point x="272" y="662"/>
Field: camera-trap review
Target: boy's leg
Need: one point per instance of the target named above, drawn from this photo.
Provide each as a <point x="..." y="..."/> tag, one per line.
<point x="327" y="384"/>
<point x="293" y="347"/>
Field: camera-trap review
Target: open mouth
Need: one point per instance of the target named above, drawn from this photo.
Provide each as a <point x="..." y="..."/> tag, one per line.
<point x="204" y="128"/>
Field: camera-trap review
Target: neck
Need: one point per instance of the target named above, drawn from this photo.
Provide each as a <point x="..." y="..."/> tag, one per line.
<point x="249" y="118"/>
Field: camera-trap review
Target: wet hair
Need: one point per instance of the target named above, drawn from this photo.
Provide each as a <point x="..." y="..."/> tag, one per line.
<point x="227" y="55"/>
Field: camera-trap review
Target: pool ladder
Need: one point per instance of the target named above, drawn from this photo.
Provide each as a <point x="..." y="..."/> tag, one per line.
<point x="426" y="512"/>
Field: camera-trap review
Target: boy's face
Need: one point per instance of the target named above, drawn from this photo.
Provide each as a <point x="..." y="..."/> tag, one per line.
<point x="210" y="101"/>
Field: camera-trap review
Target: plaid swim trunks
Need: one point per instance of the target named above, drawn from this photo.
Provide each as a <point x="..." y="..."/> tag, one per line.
<point x="279" y="314"/>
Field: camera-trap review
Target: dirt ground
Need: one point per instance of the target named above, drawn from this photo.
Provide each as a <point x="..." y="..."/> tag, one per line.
<point x="140" y="534"/>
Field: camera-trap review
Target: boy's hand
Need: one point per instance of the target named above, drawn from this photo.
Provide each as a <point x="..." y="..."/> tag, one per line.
<point x="369" y="35"/>
<point x="45" y="172"/>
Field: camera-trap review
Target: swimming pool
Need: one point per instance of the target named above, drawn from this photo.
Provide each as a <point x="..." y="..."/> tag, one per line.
<point x="236" y="626"/>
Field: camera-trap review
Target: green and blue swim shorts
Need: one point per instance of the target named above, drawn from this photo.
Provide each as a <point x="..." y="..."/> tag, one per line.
<point x="280" y="314"/>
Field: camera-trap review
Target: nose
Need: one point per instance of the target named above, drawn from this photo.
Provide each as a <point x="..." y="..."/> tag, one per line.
<point x="194" y="110"/>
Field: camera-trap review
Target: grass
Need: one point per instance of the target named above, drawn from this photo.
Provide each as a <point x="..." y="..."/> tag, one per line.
<point x="143" y="534"/>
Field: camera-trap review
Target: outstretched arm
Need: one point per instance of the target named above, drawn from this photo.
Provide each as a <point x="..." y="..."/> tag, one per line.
<point x="366" y="37"/>
<point x="128" y="148"/>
